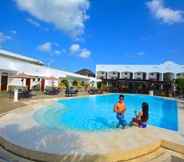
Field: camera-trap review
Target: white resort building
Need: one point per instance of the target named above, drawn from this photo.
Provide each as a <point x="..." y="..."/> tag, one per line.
<point x="140" y="78"/>
<point x="13" y="66"/>
<point x="167" y="70"/>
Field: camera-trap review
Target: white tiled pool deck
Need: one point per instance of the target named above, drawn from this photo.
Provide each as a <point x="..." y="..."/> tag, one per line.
<point x="21" y="134"/>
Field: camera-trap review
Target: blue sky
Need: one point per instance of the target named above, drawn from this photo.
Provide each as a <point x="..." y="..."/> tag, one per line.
<point x="75" y="34"/>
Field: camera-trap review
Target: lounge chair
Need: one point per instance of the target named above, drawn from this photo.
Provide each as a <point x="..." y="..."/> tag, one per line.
<point x="71" y="91"/>
<point x="94" y="91"/>
<point x="23" y="93"/>
<point x="52" y="91"/>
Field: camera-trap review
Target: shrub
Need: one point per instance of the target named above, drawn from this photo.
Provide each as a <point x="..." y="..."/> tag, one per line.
<point x="99" y="85"/>
<point x="82" y="83"/>
<point x="180" y="85"/>
<point x="75" y="83"/>
<point x="64" y="84"/>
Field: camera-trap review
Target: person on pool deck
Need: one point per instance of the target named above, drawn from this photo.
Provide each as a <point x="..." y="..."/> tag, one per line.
<point x="120" y="109"/>
<point x="141" y="119"/>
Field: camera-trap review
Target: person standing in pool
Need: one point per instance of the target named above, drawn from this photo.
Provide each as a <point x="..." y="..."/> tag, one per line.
<point x="120" y="109"/>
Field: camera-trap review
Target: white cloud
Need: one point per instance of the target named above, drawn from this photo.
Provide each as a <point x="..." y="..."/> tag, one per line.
<point x="81" y="52"/>
<point x="46" y="47"/>
<point x="4" y="38"/>
<point x="51" y="48"/>
<point x="13" y="31"/>
<point x="67" y="15"/>
<point x="36" y="24"/>
<point x="167" y="15"/>
<point x="85" y="53"/>
<point x="33" y="22"/>
<point x="74" y="48"/>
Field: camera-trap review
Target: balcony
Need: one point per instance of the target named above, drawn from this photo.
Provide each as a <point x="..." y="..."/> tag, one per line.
<point x="140" y="76"/>
<point x="101" y="75"/>
<point x="155" y="76"/>
<point x="126" y="75"/>
<point x="113" y="75"/>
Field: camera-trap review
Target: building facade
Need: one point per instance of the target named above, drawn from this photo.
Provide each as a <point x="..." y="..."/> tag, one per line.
<point x="167" y="70"/>
<point x="12" y="64"/>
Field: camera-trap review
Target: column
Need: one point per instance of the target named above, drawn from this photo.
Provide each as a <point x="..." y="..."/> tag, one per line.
<point x="175" y="76"/>
<point x="133" y="77"/>
<point x="161" y="76"/>
<point x="147" y="76"/>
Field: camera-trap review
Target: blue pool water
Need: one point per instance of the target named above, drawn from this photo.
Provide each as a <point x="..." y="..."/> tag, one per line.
<point x="95" y="113"/>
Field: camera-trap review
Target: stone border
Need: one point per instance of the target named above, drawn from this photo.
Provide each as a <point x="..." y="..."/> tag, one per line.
<point x="180" y="105"/>
<point x="110" y="157"/>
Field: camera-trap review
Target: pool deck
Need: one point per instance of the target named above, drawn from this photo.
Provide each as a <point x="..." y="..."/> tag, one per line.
<point x="20" y="134"/>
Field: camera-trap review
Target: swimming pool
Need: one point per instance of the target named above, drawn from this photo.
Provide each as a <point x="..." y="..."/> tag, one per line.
<point x="95" y="113"/>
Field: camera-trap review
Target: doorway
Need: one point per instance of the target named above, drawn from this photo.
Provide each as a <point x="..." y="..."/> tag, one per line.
<point x="28" y="83"/>
<point x="4" y="82"/>
<point x="42" y="85"/>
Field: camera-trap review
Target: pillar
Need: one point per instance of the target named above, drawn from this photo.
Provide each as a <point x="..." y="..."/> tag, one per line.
<point x="147" y="76"/>
<point x="161" y="76"/>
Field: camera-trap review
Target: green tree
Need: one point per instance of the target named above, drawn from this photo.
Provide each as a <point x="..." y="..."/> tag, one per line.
<point x="82" y="83"/>
<point x="75" y="83"/>
<point x="64" y="84"/>
<point x="99" y="85"/>
<point x="180" y="85"/>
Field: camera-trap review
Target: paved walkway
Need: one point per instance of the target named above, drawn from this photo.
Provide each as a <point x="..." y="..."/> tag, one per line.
<point x="7" y="104"/>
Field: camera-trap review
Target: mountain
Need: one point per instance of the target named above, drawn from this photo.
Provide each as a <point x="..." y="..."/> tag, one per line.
<point x="86" y="72"/>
